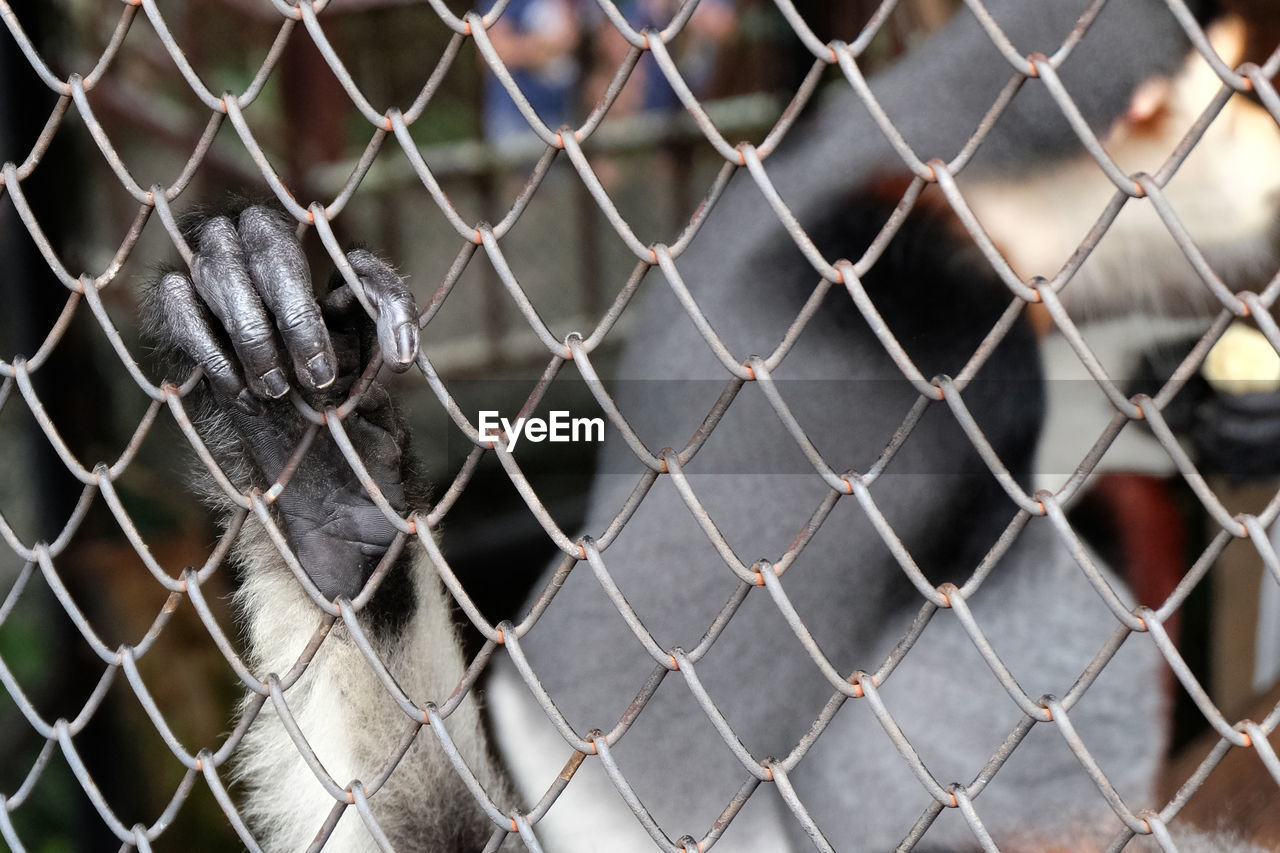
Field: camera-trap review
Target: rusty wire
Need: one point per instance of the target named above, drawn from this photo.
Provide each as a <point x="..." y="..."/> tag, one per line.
<point x="206" y="763"/>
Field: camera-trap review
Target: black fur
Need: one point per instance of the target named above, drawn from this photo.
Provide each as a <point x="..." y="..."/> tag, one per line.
<point x="940" y="298"/>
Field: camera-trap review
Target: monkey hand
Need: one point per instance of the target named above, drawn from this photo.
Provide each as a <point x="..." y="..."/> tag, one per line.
<point x="246" y="314"/>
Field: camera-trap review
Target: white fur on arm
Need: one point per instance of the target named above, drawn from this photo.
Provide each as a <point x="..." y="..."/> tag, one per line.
<point x="351" y="722"/>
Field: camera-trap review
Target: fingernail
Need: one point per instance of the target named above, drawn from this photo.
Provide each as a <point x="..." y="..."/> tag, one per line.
<point x="277" y="385"/>
<point x="247" y="403"/>
<point x="322" y="370"/>
<point x="406" y="342"/>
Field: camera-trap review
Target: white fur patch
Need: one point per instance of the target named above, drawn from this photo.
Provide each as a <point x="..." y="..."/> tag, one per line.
<point x="350" y="720"/>
<point x="1226" y="194"/>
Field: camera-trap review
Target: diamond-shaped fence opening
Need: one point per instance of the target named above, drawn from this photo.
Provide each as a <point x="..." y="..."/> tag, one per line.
<point x="416" y="129"/>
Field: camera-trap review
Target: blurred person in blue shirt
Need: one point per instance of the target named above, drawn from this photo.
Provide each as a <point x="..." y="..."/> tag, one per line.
<point x="695" y="50"/>
<point x="537" y="40"/>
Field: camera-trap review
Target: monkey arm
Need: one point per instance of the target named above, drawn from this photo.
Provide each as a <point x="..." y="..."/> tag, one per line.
<point x="246" y="315"/>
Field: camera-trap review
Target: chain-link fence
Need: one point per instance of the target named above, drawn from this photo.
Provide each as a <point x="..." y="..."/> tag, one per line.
<point x="118" y="654"/>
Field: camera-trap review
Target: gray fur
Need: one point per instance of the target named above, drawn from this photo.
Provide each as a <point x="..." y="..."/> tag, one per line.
<point x="1037" y="611"/>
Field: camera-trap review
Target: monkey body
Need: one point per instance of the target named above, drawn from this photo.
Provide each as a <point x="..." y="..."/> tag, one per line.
<point x="850" y="583"/>
<point x="939" y="298"/>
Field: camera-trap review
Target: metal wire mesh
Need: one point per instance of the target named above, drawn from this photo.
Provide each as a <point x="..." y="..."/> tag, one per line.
<point x="390" y="132"/>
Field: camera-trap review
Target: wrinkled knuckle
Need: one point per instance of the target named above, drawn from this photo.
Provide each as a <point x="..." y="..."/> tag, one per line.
<point x="217" y="234"/>
<point x="299" y="318"/>
<point x="367" y="263"/>
<point x="259" y="222"/>
<point x="217" y="366"/>
<point x="173" y="285"/>
<point x="254" y="335"/>
<point x="172" y="304"/>
<point x="258" y="214"/>
<point x="253" y="326"/>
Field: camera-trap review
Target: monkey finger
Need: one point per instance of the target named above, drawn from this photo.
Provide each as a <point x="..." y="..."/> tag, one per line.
<point x="374" y="399"/>
<point x="269" y="441"/>
<point x="397" y="319"/>
<point x="279" y="269"/>
<point x="186" y="323"/>
<point x="376" y="408"/>
<point x="221" y="277"/>
<point x="379" y="446"/>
